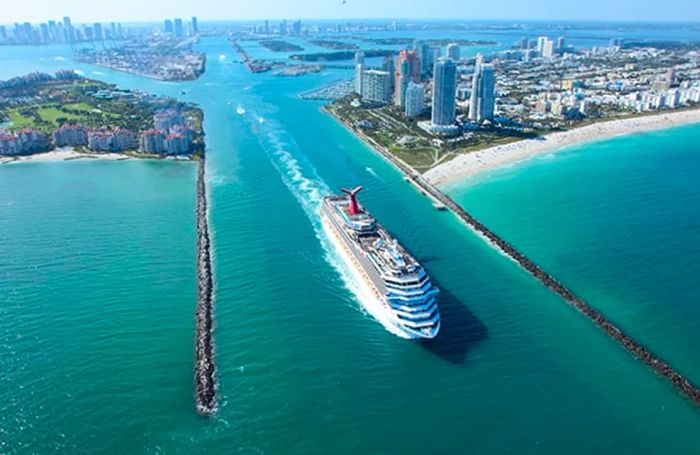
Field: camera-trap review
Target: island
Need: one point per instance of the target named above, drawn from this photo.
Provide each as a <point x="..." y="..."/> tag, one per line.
<point x="403" y="41"/>
<point x="162" y="58"/>
<point x="281" y="46"/>
<point x="339" y="55"/>
<point x="335" y="45"/>
<point x="66" y="116"/>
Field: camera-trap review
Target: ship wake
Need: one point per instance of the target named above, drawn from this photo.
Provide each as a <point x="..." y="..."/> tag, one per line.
<point x="309" y="189"/>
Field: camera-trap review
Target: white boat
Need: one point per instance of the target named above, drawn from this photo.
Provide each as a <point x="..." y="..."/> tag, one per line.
<point x="401" y="289"/>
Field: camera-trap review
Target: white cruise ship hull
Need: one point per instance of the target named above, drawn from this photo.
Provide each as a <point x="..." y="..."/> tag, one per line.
<point x="376" y="303"/>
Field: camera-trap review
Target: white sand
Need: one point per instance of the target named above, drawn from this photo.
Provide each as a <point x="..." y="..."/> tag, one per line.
<point x="469" y="164"/>
<point x="62" y="154"/>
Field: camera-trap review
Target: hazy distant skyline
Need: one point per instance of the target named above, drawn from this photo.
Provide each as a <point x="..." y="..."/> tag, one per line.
<point x="156" y="10"/>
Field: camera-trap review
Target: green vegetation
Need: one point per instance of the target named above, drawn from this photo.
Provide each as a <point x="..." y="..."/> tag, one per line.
<point x="402" y="137"/>
<point x="336" y="45"/>
<point x="281" y="46"/>
<point x="339" y="55"/>
<point x="46" y="105"/>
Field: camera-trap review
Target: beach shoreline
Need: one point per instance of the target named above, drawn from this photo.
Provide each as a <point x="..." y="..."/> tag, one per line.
<point x="70" y="154"/>
<point x="469" y="164"/>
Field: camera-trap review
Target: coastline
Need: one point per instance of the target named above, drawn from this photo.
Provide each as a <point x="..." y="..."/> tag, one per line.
<point x="469" y="164"/>
<point x="70" y="154"/>
<point x="640" y="352"/>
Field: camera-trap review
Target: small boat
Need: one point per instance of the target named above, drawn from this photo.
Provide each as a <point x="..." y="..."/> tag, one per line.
<point x="240" y="110"/>
<point x="261" y="120"/>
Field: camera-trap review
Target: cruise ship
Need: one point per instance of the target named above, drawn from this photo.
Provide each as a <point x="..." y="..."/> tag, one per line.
<point x="400" y="287"/>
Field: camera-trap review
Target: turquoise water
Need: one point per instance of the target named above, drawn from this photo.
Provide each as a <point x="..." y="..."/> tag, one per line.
<point x="97" y="305"/>
<point x="619" y="222"/>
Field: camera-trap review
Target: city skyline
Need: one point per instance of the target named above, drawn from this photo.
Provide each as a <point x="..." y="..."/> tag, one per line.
<point x="217" y="10"/>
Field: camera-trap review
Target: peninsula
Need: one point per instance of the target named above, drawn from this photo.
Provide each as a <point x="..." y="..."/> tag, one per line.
<point x="66" y="116"/>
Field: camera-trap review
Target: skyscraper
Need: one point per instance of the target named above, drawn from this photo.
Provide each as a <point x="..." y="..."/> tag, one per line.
<point x="195" y="26"/>
<point x="44" y="31"/>
<point x="540" y="44"/>
<point x="179" y="31"/>
<point x="97" y="28"/>
<point x="415" y="100"/>
<point x="407" y="70"/>
<point x="453" y="51"/>
<point x="548" y="50"/>
<point x="444" y="90"/>
<point x="561" y="43"/>
<point x="296" y="28"/>
<point x="388" y="66"/>
<point x="168" y="26"/>
<point x="359" y="69"/>
<point x="423" y="53"/>
<point x="482" y="102"/>
<point x="375" y="86"/>
<point x="283" y="28"/>
<point x="68" y="29"/>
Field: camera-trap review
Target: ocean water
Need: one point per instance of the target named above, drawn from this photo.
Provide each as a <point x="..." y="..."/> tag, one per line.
<point x="97" y="305"/>
<point x="619" y="222"/>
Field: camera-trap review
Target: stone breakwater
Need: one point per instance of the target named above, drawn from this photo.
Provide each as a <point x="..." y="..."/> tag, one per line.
<point x="640" y="352"/>
<point x="204" y="369"/>
<point x="685" y="387"/>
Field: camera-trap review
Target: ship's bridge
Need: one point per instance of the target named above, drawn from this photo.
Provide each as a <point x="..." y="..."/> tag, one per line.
<point x="361" y="222"/>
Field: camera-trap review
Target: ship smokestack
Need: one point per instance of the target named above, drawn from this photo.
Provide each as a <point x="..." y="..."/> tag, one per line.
<point x="353" y="199"/>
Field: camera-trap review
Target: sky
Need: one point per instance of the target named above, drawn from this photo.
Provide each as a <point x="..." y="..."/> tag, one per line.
<point x="157" y="10"/>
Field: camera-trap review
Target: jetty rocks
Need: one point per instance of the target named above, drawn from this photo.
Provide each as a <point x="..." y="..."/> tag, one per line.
<point x="204" y="369"/>
<point x="685" y="387"/>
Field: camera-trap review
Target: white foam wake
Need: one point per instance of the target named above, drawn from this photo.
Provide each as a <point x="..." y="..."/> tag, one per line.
<point x="309" y="192"/>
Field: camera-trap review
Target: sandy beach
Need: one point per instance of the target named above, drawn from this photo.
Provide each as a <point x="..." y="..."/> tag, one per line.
<point x="469" y="164"/>
<point x="63" y="154"/>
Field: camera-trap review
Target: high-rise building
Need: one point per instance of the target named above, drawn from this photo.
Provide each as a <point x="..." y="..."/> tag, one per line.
<point x="423" y="53"/>
<point x="483" y="98"/>
<point x="388" y="66"/>
<point x="44" y="31"/>
<point x="179" y="31"/>
<point x="283" y="28"/>
<point x="296" y="28"/>
<point x="540" y="44"/>
<point x="194" y="25"/>
<point x="97" y="28"/>
<point x="548" y="50"/>
<point x="89" y="33"/>
<point x="359" y="69"/>
<point x="452" y="51"/>
<point x="168" y="26"/>
<point x="359" y="58"/>
<point x="113" y="30"/>
<point x="415" y="100"/>
<point x="408" y="69"/>
<point x="3" y="32"/>
<point x="68" y="30"/>
<point x="561" y="43"/>
<point x="266" y="27"/>
<point x="444" y="91"/>
<point x="375" y="86"/>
